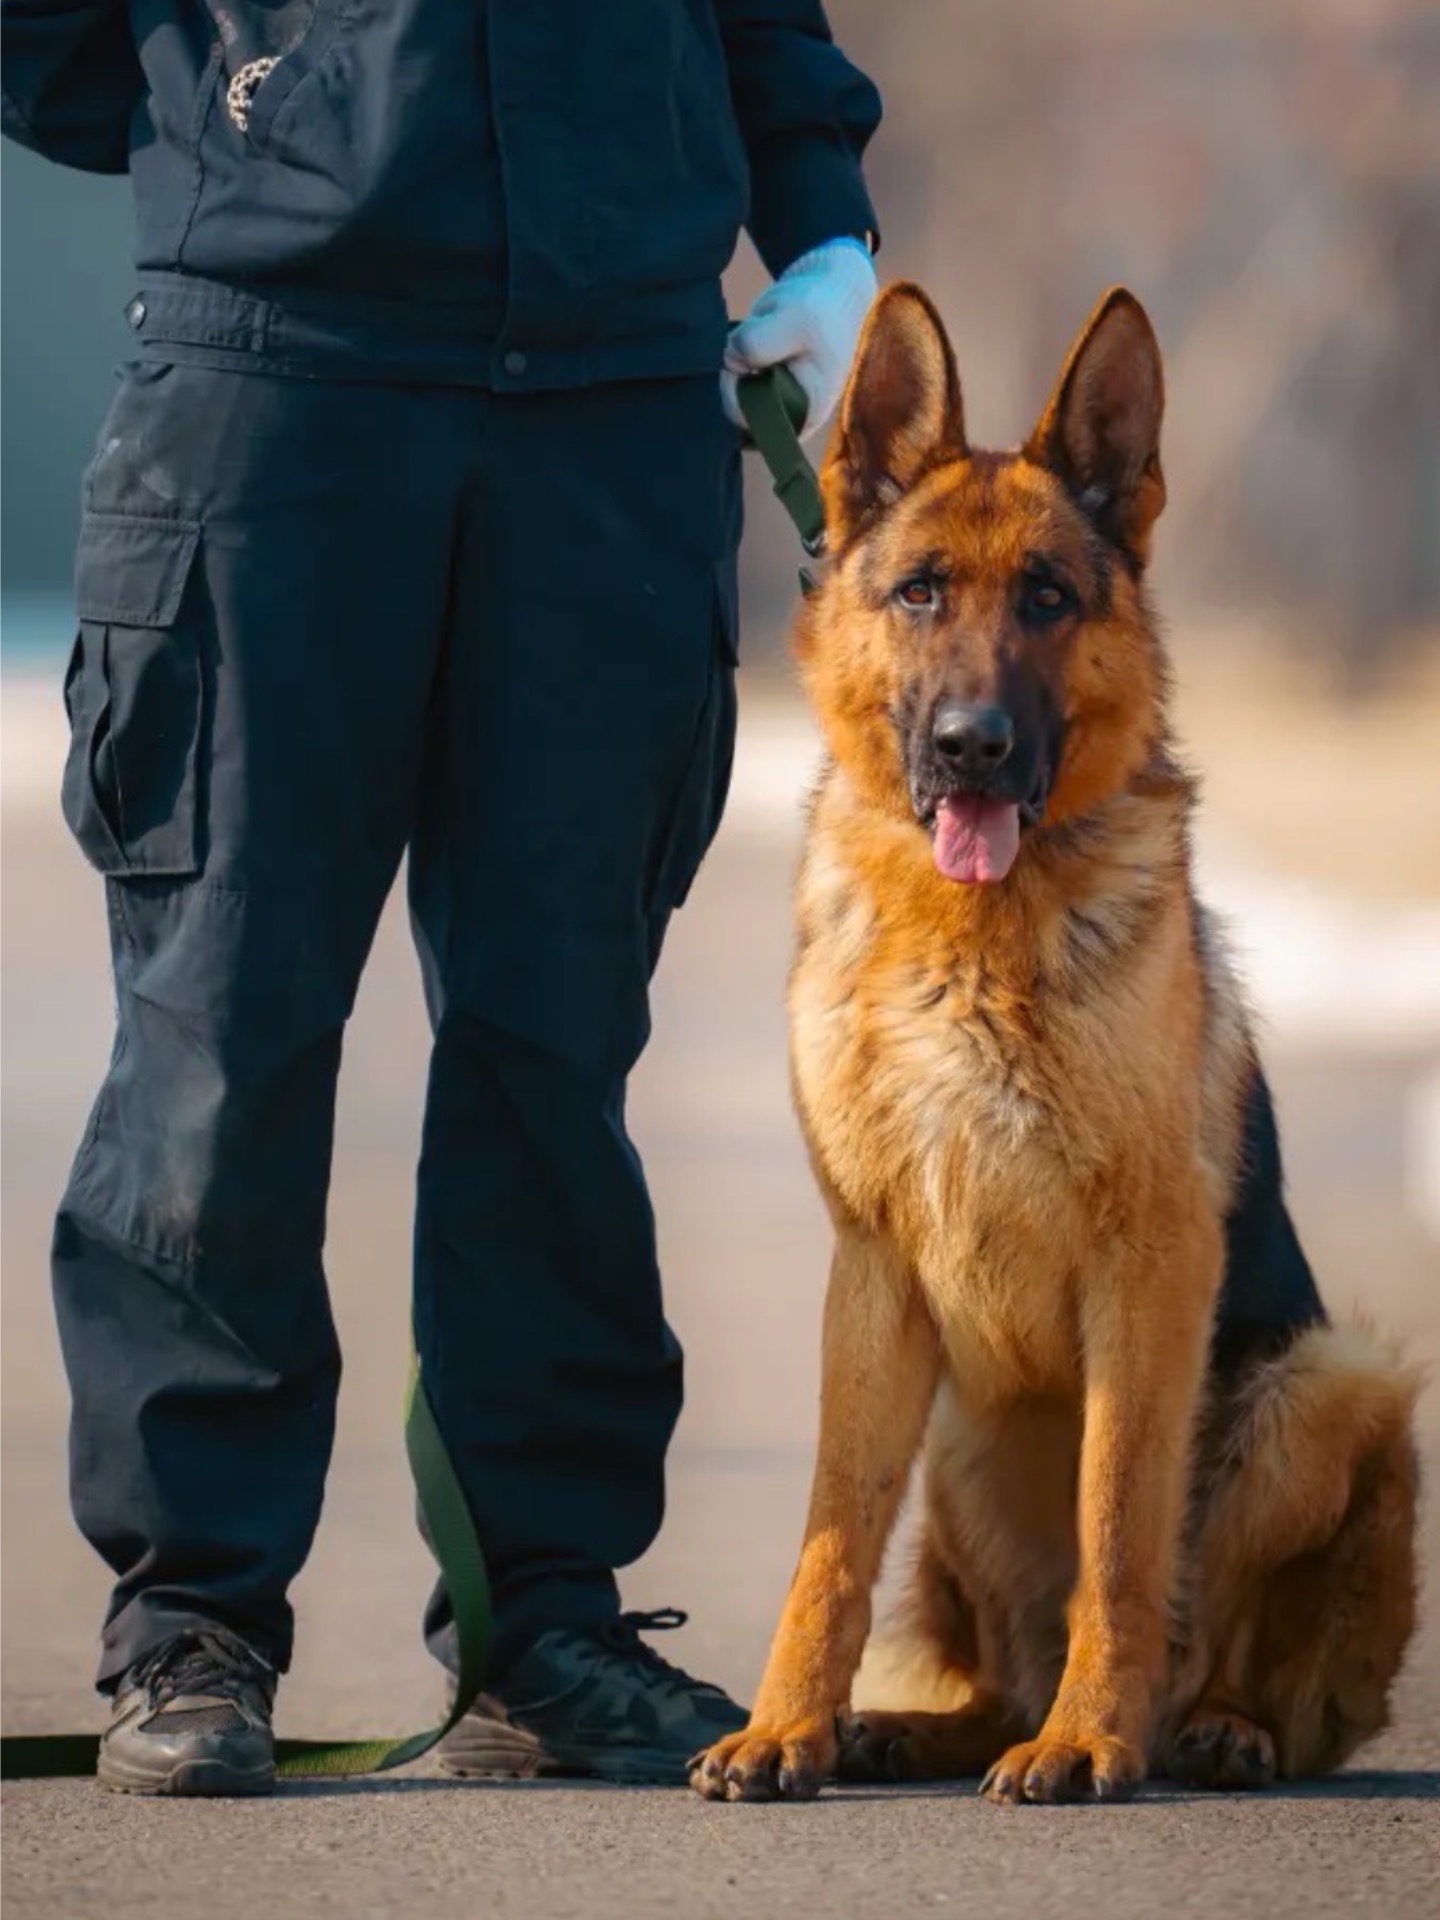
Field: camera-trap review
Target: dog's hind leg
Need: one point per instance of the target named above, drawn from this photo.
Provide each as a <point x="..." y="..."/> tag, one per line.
<point x="1305" y="1566"/>
<point x="1218" y="1744"/>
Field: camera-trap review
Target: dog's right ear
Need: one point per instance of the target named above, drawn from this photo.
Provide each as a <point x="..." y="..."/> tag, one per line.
<point x="901" y="413"/>
<point x="1100" y="431"/>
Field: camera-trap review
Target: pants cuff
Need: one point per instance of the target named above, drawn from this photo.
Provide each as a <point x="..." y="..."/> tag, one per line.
<point x="520" y="1616"/>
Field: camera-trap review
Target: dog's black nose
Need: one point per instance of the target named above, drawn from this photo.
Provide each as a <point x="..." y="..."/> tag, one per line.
<point x="972" y="739"/>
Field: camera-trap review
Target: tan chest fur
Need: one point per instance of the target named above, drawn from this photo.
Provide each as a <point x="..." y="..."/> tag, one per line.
<point x="985" y="1117"/>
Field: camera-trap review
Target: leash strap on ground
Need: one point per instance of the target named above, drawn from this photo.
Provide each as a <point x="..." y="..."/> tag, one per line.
<point x="773" y="405"/>
<point x="456" y="1545"/>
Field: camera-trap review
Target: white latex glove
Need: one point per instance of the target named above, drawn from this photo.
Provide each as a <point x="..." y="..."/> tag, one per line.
<point x="810" y="319"/>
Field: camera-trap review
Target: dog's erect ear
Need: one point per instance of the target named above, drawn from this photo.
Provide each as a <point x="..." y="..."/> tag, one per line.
<point x="1101" y="430"/>
<point x="901" y="412"/>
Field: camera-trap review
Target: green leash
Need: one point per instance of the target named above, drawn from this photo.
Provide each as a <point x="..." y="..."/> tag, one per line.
<point x="456" y="1545"/>
<point x="773" y="405"/>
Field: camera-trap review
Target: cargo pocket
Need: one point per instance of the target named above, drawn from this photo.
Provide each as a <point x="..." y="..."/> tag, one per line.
<point x="134" y="699"/>
<point x="700" y="803"/>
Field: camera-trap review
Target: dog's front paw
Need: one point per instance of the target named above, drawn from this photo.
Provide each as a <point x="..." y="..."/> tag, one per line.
<point x="1049" y="1769"/>
<point x="762" y="1765"/>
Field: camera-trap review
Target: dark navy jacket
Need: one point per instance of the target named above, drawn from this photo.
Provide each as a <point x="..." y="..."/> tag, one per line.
<point x="524" y="193"/>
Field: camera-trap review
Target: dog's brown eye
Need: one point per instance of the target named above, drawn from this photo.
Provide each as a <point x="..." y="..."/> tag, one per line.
<point x="1045" y="600"/>
<point x="918" y="592"/>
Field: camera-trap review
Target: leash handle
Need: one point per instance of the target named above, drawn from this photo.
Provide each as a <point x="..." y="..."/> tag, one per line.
<point x="773" y="405"/>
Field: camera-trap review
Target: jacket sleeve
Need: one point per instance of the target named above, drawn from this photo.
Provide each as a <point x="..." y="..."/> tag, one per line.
<point x="71" y="80"/>
<point x="805" y="115"/>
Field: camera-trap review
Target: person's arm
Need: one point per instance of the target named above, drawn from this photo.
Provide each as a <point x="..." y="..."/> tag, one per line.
<point x="805" y="115"/>
<point x="70" y="80"/>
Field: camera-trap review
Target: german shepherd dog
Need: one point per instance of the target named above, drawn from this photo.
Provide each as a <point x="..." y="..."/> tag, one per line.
<point x="1168" y="1509"/>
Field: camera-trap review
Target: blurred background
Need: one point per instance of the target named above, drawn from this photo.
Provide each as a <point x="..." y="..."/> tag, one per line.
<point x="1268" y="180"/>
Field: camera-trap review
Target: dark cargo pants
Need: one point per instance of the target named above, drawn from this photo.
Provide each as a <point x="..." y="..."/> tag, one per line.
<point x="320" y="624"/>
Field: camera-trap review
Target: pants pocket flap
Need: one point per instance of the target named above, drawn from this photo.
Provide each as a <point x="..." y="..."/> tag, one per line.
<point x="135" y="696"/>
<point x="132" y="573"/>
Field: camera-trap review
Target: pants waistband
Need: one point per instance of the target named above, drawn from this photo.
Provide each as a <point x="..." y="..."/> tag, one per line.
<point x="329" y="335"/>
<point x="325" y="336"/>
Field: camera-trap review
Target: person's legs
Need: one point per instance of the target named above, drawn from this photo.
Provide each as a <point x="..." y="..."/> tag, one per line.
<point x="576" y="776"/>
<point x="262" y="587"/>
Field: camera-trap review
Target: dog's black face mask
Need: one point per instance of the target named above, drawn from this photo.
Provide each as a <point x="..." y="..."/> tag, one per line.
<point x="981" y="737"/>
<point x="979" y="773"/>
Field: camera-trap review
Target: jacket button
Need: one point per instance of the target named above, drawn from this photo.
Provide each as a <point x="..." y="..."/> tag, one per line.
<point x="515" y="362"/>
<point x="135" y="312"/>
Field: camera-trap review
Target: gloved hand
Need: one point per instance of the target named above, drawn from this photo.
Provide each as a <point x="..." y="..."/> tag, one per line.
<point x="810" y="319"/>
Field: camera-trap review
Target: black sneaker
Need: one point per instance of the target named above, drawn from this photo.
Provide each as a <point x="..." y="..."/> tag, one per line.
<point x="192" y="1717"/>
<point x="595" y="1703"/>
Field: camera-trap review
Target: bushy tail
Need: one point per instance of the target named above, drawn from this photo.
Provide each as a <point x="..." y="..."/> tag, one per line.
<point x="1308" y="1549"/>
<point x="1335" y="1620"/>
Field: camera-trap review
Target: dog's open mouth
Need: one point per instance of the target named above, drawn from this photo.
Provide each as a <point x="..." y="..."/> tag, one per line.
<point x="976" y="838"/>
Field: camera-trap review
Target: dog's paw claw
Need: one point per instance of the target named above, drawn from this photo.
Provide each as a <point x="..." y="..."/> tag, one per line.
<point x="758" y="1766"/>
<point x="1042" y="1772"/>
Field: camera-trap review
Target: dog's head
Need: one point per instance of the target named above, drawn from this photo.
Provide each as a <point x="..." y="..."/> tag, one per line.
<point x="980" y="655"/>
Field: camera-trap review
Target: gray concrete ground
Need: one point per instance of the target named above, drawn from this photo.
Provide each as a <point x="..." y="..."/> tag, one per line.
<point x="745" y="1247"/>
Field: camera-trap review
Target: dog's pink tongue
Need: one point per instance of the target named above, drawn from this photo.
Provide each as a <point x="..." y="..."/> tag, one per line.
<point x="976" y="839"/>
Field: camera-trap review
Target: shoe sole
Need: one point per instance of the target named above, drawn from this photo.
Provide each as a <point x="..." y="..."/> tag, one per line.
<point x="187" y="1779"/>
<point x="493" y="1751"/>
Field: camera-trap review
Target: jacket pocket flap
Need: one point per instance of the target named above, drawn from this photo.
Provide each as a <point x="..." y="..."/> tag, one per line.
<point x="132" y="573"/>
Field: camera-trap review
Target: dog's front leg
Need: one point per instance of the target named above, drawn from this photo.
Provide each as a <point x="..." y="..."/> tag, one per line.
<point x="878" y="1370"/>
<point x="1146" y="1325"/>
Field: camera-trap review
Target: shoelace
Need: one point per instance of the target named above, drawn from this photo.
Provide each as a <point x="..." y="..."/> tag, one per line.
<point x="622" y="1636"/>
<point x="205" y="1661"/>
